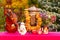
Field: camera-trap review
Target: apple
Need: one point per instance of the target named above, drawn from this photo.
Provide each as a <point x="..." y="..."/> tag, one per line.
<point x="39" y="31"/>
<point x="34" y="31"/>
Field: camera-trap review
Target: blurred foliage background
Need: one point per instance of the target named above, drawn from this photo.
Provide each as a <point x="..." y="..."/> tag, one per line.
<point x="48" y="5"/>
<point x="2" y="19"/>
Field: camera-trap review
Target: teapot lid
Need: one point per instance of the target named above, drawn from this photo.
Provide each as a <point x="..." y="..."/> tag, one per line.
<point x="33" y="9"/>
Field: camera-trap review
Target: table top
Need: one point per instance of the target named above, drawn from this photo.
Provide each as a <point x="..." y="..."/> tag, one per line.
<point x="29" y="34"/>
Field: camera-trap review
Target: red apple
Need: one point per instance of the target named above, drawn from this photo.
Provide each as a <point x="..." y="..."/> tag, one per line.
<point x="34" y="32"/>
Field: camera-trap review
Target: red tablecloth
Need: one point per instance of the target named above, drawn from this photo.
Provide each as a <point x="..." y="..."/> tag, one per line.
<point x="17" y="36"/>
